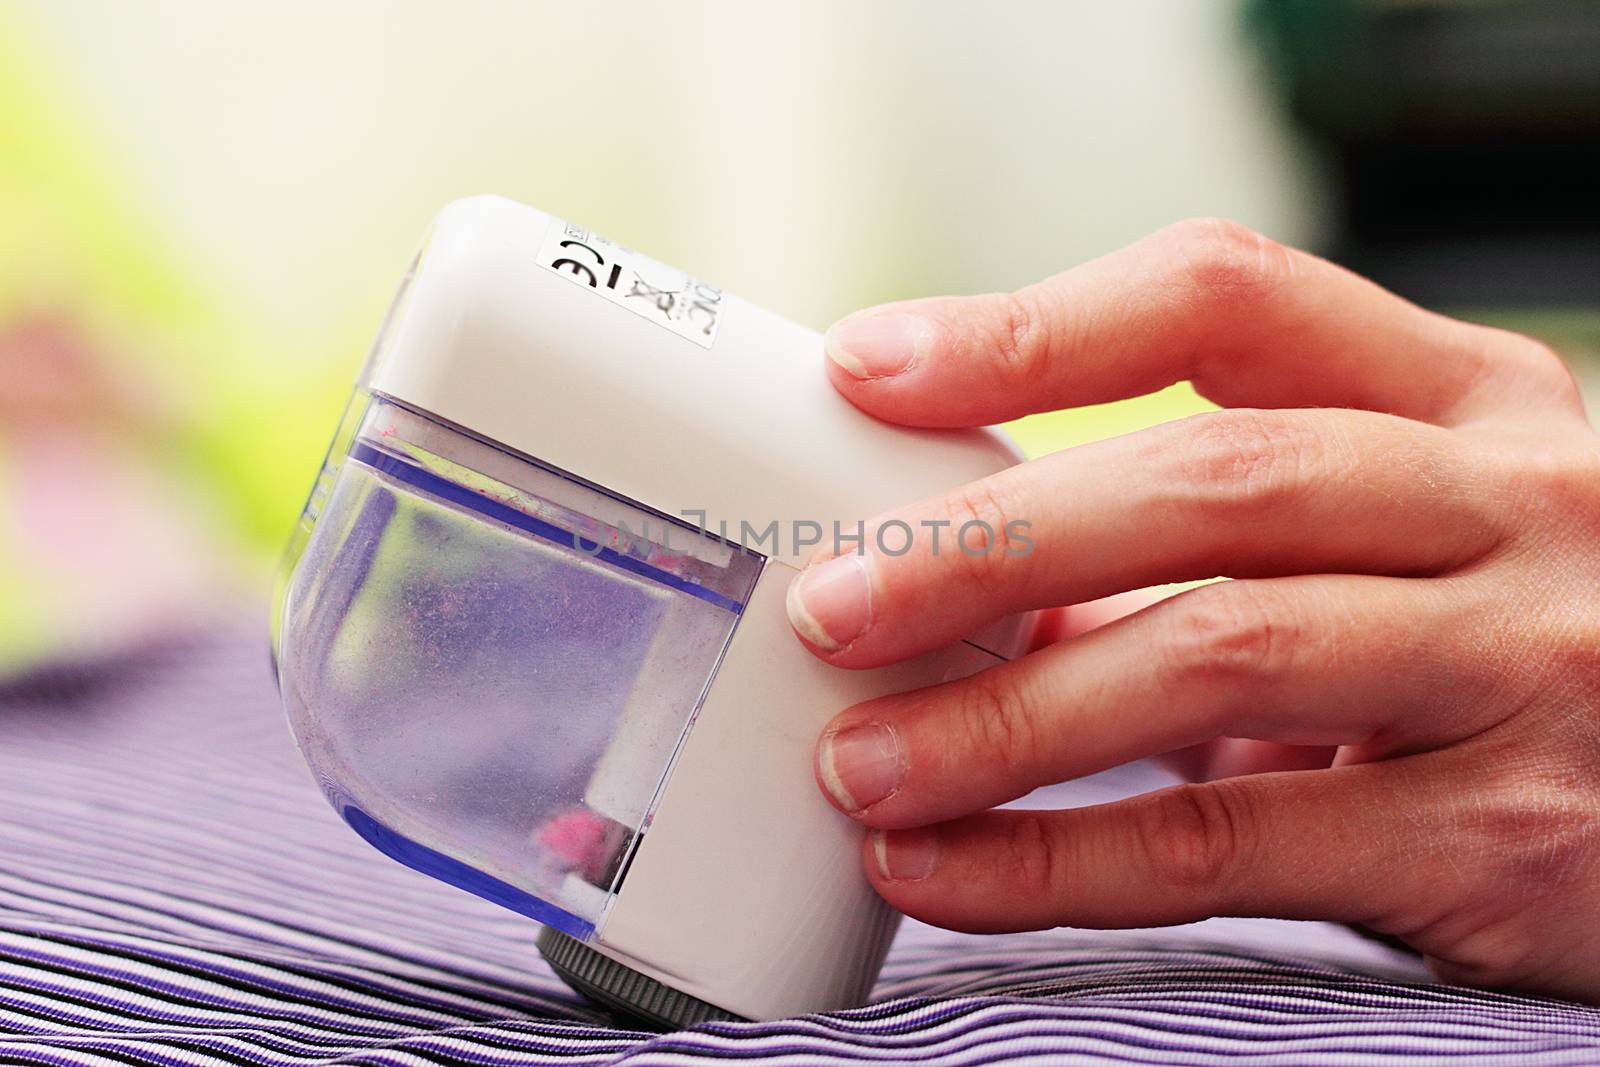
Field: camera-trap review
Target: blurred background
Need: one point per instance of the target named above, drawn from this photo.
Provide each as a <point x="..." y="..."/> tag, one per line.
<point x="204" y="207"/>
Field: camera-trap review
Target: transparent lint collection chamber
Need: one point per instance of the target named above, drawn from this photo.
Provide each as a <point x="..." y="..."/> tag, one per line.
<point x="490" y="664"/>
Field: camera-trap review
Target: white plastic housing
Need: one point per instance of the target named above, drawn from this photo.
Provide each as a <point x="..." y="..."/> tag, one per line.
<point x="535" y="393"/>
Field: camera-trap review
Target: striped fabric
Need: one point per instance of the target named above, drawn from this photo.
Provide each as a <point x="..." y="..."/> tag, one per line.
<point x="173" y="890"/>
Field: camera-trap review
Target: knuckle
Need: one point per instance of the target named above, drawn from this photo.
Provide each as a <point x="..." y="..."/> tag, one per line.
<point x="1503" y="363"/>
<point x="1247" y="460"/>
<point x="1020" y="335"/>
<point x="980" y="541"/>
<point x="1232" y="634"/>
<point x="1226" y="262"/>
<point x="1195" y="838"/>
<point x="1557" y="488"/>
<point x="994" y="723"/>
<point x="1537" y="363"/>
<point x="1034" y="855"/>
<point x="1534" y="837"/>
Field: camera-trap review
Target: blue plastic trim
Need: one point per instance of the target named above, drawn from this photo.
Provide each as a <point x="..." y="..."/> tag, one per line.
<point x="438" y="865"/>
<point x="430" y="482"/>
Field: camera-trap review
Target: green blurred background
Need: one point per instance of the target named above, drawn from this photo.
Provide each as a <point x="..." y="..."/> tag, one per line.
<point x="204" y="207"/>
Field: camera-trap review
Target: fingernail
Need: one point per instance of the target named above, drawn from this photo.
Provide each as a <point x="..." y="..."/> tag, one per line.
<point x="861" y="765"/>
<point x="875" y="346"/>
<point x="905" y="855"/>
<point x="831" y="603"/>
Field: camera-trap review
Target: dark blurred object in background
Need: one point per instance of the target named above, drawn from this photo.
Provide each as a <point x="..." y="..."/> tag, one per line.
<point x="1463" y="142"/>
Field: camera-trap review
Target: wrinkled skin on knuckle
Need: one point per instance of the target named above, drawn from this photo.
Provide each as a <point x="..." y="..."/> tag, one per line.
<point x="1234" y="638"/>
<point x="994" y="726"/>
<point x="983" y="555"/>
<point x="1195" y="839"/>
<point x="1549" y="840"/>
<point x="1033" y="857"/>
<point x="1223" y="272"/>
<point x="1240" y="464"/>
<point x="1527" y="821"/>
<point x="1019" y="333"/>
<point x="1225" y="262"/>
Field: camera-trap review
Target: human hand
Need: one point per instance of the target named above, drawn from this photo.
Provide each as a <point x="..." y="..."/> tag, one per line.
<point x="1411" y="508"/>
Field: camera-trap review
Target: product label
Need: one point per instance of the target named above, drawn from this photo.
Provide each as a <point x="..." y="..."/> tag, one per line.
<point x="668" y="297"/>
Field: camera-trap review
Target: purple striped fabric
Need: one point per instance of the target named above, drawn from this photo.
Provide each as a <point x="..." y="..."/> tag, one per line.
<point x="173" y="890"/>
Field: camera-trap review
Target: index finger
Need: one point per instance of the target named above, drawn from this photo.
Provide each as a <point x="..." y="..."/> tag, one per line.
<point x="1250" y="322"/>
